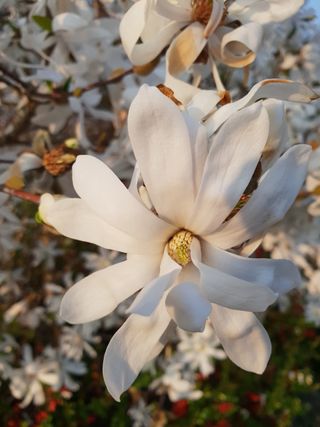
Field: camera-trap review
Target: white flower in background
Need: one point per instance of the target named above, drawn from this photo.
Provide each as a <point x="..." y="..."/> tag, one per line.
<point x="178" y="235"/>
<point x="200" y="350"/>
<point x="140" y="414"/>
<point x="178" y="383"/>
<point x="27" y="382"/>
<point x="231" y="33"/>
<point x="76" y="341"/>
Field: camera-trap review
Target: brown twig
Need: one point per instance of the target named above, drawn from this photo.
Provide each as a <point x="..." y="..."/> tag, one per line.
<point x="12" y="80"/>
<point x="23" y="195"/>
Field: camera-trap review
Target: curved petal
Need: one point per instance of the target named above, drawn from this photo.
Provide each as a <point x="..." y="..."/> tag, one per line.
<point x="188" y="307"/>
<point x="99" y="294"/>
<point x="279" y="275"/>
<point x="230" y="165"/>
<point x="68" y="22"/>
<point x="150" y="296"/>
<point x="182" y="53"/>
<point x="285" y="90"/>
<point x="243" y="338"/>
<point x="132" y="27"/>
<point x="161" y="143"/>
<point x="74" y="219"/>
<point x="100" y="188"/>
<point x="269" y="203"/>
<point x="130" y="349"/>
<point x="236" y="48"/>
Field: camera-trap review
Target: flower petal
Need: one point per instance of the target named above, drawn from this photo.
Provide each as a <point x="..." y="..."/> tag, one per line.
<point x="160" y="140"/>
<point x="229" y="291"/>
<point x="149" y="297"/>
<point x="188" y="307"/>
<point x="230" y="165"/>
<point x="285" y="90"/>
<point x="243" y="338"/>
<point x="132" y="27"/>
<point x="130" y="348"/>
<point x="99" y="294"/>
<point x="269" y="203"/>
<point x="176" y="12"/>
<point x="238" y="47"/>
<point x="279" y="275"/>
<point x="74" y="219"/>
<point x="182" y="53"/>
<point x="100" y="188"/>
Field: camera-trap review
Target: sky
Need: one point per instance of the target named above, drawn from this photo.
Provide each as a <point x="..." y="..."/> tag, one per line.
<point x="316" y="5"/>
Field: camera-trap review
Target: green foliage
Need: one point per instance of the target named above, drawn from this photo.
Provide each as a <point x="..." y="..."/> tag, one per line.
<point x="44" y="22"/>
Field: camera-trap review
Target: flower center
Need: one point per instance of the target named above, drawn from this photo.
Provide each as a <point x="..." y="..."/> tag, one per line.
<point x="201" y="10"/>
<point x="179" y="247"/>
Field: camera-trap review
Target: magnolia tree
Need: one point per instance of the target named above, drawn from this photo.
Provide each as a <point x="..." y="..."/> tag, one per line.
<point x="170" y="138"/>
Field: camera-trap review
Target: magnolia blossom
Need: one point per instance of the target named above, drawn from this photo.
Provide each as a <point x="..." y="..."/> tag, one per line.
<point x="231" y="31"/>
<point x="189" y="206"/>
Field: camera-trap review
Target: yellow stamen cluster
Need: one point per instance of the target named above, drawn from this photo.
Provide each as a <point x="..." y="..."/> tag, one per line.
<point x="179" y="247"/>
<point x="201" y="10"/>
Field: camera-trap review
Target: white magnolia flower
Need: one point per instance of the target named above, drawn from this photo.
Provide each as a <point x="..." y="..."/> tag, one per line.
<point x="232" y="34"/>
<point x="74" y="342"/>
<point x="27" y="382"/>
<point x="178" y="235"/>
<point x="199" y="350"/>
<point x="176" y="384"/>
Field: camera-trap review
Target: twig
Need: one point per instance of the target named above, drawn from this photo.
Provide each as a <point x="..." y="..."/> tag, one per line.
<point x="23" y="195"/>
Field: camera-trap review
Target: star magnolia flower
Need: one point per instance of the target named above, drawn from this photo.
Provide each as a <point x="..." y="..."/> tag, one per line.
<point x="177" y="229"/>
<point x="232" y="33"/>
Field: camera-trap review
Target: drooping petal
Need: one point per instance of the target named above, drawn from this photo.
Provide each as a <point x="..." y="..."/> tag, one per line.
<point x="243" y="338"/>
<point x="233" y="157"/>
<point x="100" y="188"/>
<point x="160" y="140"/>
<point x="182" y="53"/>
<point x="279" y="275"/>
<point x="269" y="203"/>
<point x="188" y="307"/>
<point x="150" y="296"/>
<point x="285" y="90"/>
<point x="74" y="219"/>
<point x="132" y="27"/>
<point x="131" y="347"/>
<point x="68" y="22"/>
<point x="101" y="292"/>
<point x="264" y="11"/>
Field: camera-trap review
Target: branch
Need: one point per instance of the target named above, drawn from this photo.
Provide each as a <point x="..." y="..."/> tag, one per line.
<point x="23" y="195"/>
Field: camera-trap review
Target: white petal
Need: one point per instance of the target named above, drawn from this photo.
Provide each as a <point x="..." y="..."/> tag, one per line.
<point x="233" y="157"/>
<point x="174" y="12"/>
<point x="269" y="203"/>
<point x="150" y="296"/>
<point x="188" y="307"/>
<point x="243" y="338"/>
<point x="279" y="275"/>
<point x="99" y="294"/>
<point x="182" y="53"/>
<point x="285" y="90"/>
<point x="229" y="291"/>
<point x="100" y="188"/>
<point x="74" y="219"/>
<point x="160" y="140"/>
<point x="236" y="48"/>
<point x="132" y="27"/>
<point x="130" y="348"/>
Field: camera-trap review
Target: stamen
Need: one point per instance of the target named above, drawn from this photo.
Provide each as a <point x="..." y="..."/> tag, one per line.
<point x="179" y="247"/>
<point x="201" y="10"/>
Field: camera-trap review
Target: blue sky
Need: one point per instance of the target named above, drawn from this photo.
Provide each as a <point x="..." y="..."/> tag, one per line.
<point x="316" y="5"/>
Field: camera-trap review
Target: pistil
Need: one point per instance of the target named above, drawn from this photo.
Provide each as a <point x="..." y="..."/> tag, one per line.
<point x="179" y="247"/>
